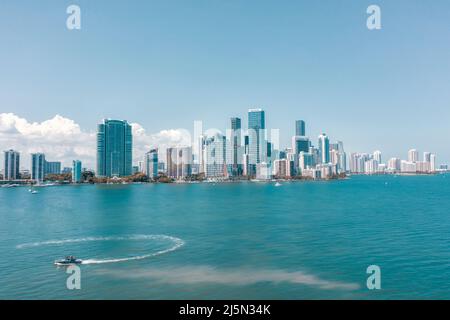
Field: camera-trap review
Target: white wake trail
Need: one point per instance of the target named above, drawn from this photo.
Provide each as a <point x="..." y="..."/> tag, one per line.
<point x="177" y="243"/>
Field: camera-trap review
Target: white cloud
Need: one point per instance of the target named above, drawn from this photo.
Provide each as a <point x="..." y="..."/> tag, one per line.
<point x="62" y="139"/>
<point x="143" y="142"/>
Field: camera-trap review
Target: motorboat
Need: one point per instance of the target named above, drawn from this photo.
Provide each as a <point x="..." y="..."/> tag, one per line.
<point x="69" y="260"/>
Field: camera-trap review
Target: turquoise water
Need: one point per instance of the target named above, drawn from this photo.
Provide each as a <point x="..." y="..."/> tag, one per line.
<point x="303" y="240"/>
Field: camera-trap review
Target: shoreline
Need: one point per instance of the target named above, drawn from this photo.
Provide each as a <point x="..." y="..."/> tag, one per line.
<point x="18" y="184"/>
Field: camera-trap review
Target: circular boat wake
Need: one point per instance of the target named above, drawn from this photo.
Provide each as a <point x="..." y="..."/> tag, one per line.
<point x="176" y="244"/>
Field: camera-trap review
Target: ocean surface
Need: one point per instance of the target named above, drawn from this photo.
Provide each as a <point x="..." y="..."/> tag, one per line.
<point x="301" y="240"/>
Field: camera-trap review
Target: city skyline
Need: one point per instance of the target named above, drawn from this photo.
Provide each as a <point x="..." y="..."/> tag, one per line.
<point x="242" y="151"/>
<point x="77" y="143"/>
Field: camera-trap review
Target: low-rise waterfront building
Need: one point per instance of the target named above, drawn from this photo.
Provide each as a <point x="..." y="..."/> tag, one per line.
<point x="52" y="167"/>
<point x="312" y="173"/>
<point x="408" y="167"/>
<point x="327" y="170"/>
<point x="263" y="171"/>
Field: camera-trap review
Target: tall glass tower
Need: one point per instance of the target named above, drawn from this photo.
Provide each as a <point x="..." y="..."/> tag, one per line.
<point x="151" y="163"/>
<point x="76" y="171"/>
<point x="234" y="153"/>
<point x="324" y="148"/>
<point x="256" y="133"/>
<point x="114" y="149"/>
<point x="37" y="166"/>
<point x="215" y="148"/>
<point x="300" y="128"/>
<point x="12" y="163"/>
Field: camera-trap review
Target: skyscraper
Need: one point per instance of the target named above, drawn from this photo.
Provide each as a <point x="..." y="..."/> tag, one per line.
<point x="12" y="165"/>
<point x="151" y="163"/>
<point x="377" y="156"/>
<point x="37" y="167"/>
<point x="413" y="155"/>
<point x="256" y="133"/>
<point x="215" y="156"/>
<point x="357" y="162"/>
<point x="394" y="164"/>
<point x="306" y="161"/>
<point x="179" y="162"/>
<point x="371" y="166"/>
<point x="234" y="150"/>
<point x="324" y="148"/>
<point x="200" y="162"/>
<point x="300" y="143"/>
<point x="114" y="148"/>
<point x="338" y="156"/>
<point x="432" y="162"/>
<point x="76" y="171"/>
<point x="171" y="162"/>
<point x="280" y="168"/>
<point x="300" y="128"/>
<point x="246" y="144"/>
<point x="426" y="156"/>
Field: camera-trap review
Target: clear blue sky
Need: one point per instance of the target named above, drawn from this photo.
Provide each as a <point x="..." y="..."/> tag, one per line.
<point x="166" y="63"/>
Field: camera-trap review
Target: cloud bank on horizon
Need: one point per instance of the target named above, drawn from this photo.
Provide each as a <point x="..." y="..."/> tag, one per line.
<point x="62" y="139"/>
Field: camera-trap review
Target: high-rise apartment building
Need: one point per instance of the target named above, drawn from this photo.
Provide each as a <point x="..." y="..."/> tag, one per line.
<point x="413" y="155"/>
<point x="179" y="162"/>
<point x="38" y="167"/>
<point x="257" y="137"/>
<point x="151" y="163"/>
<point x="12" y="165"/>
<point x="377" y="156"/>
<point x="215" y="148"/>
<point x="76" y="171"/>
<point x="234" y="148"/>
<point x="114" y="148"/>
<point x="300" y="128"/>
<point x="324" y="148"/>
